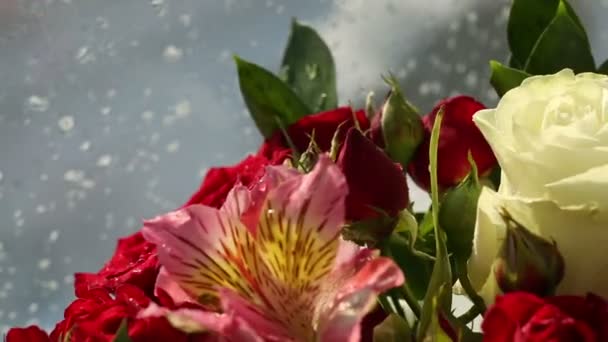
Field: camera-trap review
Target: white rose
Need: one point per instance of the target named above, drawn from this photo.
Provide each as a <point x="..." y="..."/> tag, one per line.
<point x="550" y="136"/>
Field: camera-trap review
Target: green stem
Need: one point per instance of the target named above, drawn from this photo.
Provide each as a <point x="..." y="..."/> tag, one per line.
<point x="395" y="296"/>
<point x="462" y="273"/>
<point x="470" y="315"/>
<point x="411" y="301"/>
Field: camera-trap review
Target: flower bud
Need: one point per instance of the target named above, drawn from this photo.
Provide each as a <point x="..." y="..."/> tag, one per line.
<point x="375" y="183"/>
<point x="309" y="158"/>
<point x="397" y="127"/>
<point x="527" y="262"/>
<point x="458" y="213"/>
<point x="457" y="138"/>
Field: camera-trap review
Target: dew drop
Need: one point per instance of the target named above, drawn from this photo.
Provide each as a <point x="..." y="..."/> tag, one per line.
<point x="38" y="103"/>
<point x="173" y="146"/>
<point x="33" y="308"/>
<point x="104" y="160"/>
<point x="173" y="54"/>
<point x="311" y="70"/>
<point x="44" y="264"/>
<point x="85" y="145"/>
<point x="66" y="123"/>
<point x="53" y="236"/>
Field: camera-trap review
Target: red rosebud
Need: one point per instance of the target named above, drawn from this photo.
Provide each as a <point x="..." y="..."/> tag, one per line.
<point x="521" y="316"/>
<point x="324" y="126"/>
<point x="374" y="180"/>
<point x="458" y="136"/>
<point x="29" y="334"/>
<point x="134" y="262"/>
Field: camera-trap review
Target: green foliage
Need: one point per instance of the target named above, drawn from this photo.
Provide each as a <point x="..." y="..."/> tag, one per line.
<point x="393" y="329"/>
<point x="270" y="101"/>
<point x="459" y="212"/>
<point x="527" y="22"/>
<point x="563" y="44"/>
<point x="504" y="78"/>
<point x="122" y="334"/>
<point x="308" y="68"/>
<point x="438" y="294"/>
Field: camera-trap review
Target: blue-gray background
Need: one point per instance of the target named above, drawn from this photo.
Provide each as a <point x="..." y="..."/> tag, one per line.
<point x="111" y="111"/>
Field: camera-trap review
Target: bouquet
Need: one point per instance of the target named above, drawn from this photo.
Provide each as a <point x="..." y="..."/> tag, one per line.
<point x="314" y="237"/>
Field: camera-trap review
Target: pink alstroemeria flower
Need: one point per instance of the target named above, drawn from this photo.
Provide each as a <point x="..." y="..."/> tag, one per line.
<point x="271" y="261"/>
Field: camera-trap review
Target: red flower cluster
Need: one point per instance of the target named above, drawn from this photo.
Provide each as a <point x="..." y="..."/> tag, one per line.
<point x="521" y="316"/>
<point x="376" y="184"/>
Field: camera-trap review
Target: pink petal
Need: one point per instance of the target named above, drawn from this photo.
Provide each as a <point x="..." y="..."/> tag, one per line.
<point x="202" y="250"/>
<point x="188" y="320"/>
<point x="300" y="225"/>
<point x="350" y="255"/>
<point x="341" y="316"/>
<point x="273" y="176"/>
<point x="344" y="322"/>
<point x="221" y="327"/>
<point x="165" y="282"/>
<point x="297" y="242"/>
<point x="317" y="199"/>
<point x="253" y="316"/>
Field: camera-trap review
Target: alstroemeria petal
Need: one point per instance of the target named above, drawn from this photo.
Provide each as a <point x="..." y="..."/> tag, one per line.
<point x="250" y="214"/>
<point x="271" y="329"/>
<point x="301" y="222"/>
<point x="219" y="327"/>
<point x="297" y="242"/>
<point x="340" y="318"/>
<point x="203" y="249"/>
<point x="166" y="283"/>
<point x="345" y="320"/>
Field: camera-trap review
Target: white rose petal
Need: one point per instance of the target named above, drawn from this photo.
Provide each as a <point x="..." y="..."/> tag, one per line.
<point x="550" y="136"/>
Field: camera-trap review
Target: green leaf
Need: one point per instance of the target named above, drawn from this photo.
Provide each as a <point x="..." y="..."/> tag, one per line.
<point x="527" y="21"/>
<point x="371" y="231"/>
<point x="504" y="78"/>
<point x="393" y="329"/>
<point x="270" y="100"/>
<point x="563" y="44"/>
<point x="438" y="295"/>
<point x="494" y="176"/>
<point x="433" y="331"/>
<point x="513" y="63"/>
<point x="603" y="69"/>
<point x="416" y="268"/>
<point x="122" y="334"/>
<point x="308" y="68"/>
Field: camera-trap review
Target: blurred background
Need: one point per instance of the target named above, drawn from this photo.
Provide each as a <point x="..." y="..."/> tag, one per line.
<point x="112" y="111"/>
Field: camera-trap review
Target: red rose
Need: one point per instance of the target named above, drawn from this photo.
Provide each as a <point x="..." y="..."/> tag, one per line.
<point x="219" y="180"/>
<point x="323" y="125"/>
<point x="521" y="316"/>
<point x="374" y="181"/>
<point x="458" y="136"/>
<point x="97" y="316"/>
<point x="29" y="334"/>
<point x="134" y="262"/>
